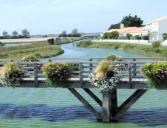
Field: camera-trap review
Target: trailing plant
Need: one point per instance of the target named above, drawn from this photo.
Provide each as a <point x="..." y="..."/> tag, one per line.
<point x="11" y="75"/>
<point x="105" y="76"/>
<point x="57" y="73"/>
<point x="156" y="73"/>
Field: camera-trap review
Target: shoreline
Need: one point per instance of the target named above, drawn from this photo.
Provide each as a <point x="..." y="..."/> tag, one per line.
<point x="141" y="49"/>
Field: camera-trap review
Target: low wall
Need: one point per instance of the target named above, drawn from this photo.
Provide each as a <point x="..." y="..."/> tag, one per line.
<point x="164" y="43"/>
<point x="126" y="41"/>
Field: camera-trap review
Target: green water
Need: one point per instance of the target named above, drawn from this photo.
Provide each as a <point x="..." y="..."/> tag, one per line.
<point x="58" y="108"/>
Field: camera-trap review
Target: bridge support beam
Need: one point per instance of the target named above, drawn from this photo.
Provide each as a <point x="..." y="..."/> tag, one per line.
<point x="109" y="104"/>
<point x="87" y="105"/>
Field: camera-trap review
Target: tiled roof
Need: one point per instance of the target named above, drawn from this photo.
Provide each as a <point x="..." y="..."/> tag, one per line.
<point x="127" y="30"/>
<point x="158" y="20"/>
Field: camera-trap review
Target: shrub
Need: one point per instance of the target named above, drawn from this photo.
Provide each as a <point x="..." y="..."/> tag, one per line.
<point x="84" y="43"/>
<point x="31" y="57"/>
<point x="11" y="75"/>
<point x="123" y="38"/>
<point x="102" y="69"/>
<point x="145" y="37"/>
<point x="57" y="73"/>
<point x="111" y="35"/>
<point x="114" y="35"/>
<point x="156" y="73"/>
<point x="127" y="46"/>
<point x="164" y="36"/>
<point x="1" y="44"/>
<point x="113" y="57"/>
<point x="128" y="36"/>
<point x="156" y="44"/>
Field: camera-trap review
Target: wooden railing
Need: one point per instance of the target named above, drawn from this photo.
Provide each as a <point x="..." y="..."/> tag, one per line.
<point x="131" y="78"/>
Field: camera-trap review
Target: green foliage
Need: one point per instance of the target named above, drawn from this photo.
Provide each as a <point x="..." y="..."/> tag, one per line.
<point x="156" y="73"/>
<point x="32" y="57"/>
<point x="132" y="21"/>
<point x="106" y="35"/>
<point x="127" y="46"/>
<point x="146" y="50"/>
<point x="122" y="38"/>
<point x="111" y="35"/>
<point x="103" y="67"/>
<point x="164" y="36"/>
<point x="15" y="34"/>
<point x="84" y="43"/>
<point x="113" y="57"/>
<point x="1" y="44"/>
<point x="137" y="37"/>
<point x="42" y="49"/>
<point x="128" y="36"/>
<point x="11" y="75"/>
<point x="25" y="33"/>
<point x="5" y="34"/>
<point x="57" y="72"/>
<point x="145" y="37"/>
<point x="114" y="26"/>
<point x="156" y="44"/>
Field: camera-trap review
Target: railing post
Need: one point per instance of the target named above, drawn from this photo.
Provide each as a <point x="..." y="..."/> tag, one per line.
<point x="35" y="74"/>
<point x="91" y="65"/>
<point x="130" y="75"/>
<point x="134" y="68"/>
<point x="81" y="73"/>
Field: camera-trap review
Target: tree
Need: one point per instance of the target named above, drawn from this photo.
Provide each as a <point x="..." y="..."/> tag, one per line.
<point x="164" y="36"/>
<point x="114" y="26"/>
<point x="131" y="21"/>
<point x="64" y="33"/>
<point x="25" y="33"/>
<point x="74" y="32"/>
<point x="5" y="34"/>
<point x="15" y="34"/>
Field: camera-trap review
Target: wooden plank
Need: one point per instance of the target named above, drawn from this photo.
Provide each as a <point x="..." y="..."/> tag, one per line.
<point x="91" y="94"/>
<point x="129" y="102"/>
<point x="87" y="105"/>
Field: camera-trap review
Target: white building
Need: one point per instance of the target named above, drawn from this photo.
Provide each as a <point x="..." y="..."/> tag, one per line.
<point x="156" y="28"/>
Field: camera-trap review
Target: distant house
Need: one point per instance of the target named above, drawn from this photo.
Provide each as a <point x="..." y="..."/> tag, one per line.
<point x="153" y="29"/>
<point x="123" y="31"/>
<point x="156" y="28"/>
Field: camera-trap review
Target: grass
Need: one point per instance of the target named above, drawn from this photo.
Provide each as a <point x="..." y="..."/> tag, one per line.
<point x="23" y="42"/>
<point x="43" y="50"/>
<point x="71" y="39"/>
<point x="146" y="50"/>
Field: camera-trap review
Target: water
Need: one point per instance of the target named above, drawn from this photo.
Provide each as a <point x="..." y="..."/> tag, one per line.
<point x="16" y="45"/>
<point x="58" y="108"/>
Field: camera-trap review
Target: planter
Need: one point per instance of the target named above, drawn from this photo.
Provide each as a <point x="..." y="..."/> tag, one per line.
<point x="11" y="75"/>
<point x="156" y="74"/>
<point x="57" y="73"/>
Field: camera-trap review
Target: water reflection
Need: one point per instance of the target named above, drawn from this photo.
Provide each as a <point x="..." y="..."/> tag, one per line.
<point x="145" y="117"/>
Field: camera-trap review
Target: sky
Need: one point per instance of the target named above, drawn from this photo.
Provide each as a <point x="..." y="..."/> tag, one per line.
<point x="89" y="16"/>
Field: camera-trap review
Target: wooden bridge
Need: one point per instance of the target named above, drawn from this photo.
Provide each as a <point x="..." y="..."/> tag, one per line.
<point x="131" y="79"/>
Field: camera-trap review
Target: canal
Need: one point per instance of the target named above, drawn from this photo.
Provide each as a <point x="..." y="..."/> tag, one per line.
<point x="58" y="108"/>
